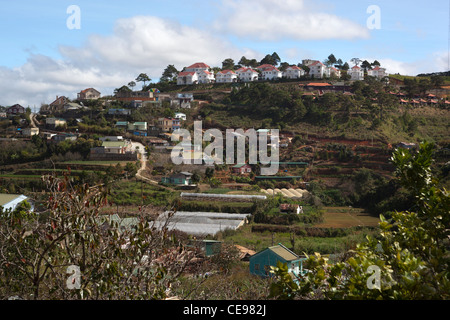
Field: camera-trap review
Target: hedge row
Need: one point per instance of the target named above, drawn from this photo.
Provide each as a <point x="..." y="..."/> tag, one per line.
<point x="310" y="232"/>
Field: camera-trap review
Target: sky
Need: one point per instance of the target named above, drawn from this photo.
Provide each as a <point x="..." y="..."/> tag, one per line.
<point x="48" y="49"/>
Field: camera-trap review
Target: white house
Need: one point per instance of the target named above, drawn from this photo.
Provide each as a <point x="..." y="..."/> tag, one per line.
<point x="378" y="72"/>
<point x="181" y="116"/>
<point x="226" y="76"/>
<point x="197" y="67"/>
<point x="335" y="72"/>
<point x="356" y="73"/>
<point x="247" y="74"/>
<point x="318" y="70"/>
<point x="205" y="76"/>
<point x="187" y="78"/>
<point x="293" y="72"/>
<point x="197" y="73"/>
<point x="269" y="72"/>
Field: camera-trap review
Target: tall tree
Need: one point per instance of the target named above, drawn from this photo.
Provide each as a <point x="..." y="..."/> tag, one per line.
<point x="143" y="77"/>
<point x="132" y="84"/>
<point x="366" y="65"/>
<point x="244" y="61"/>
<point x="228" y="64"/>
<point x="169" y="74"/>
<point x="276" y="58"/>
<point x="356" y="61"/>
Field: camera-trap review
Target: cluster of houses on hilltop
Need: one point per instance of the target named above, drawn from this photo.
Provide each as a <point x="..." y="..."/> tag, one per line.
<point x="200" y="72"/>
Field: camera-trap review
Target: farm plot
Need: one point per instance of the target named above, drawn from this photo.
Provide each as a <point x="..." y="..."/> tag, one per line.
<point x="346" y="217"/>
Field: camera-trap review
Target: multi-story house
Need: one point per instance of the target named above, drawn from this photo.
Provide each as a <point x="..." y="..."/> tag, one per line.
<point x="89" y="94"/>
<point x="293" y="72"/>
<point x="169" y="124"/>
<point x="378" y="72"/>
<point x="356" y="73"/>
<point x="187" y="78"/>
<point x="335" y="72"/>
<point x="269" y="72"/>
<point x="247" y="74"/>
<point x="197" y="73"/>
<point x="15" y="110"/>
<point x="318" y="70"/>
<point x="226" y="76"/>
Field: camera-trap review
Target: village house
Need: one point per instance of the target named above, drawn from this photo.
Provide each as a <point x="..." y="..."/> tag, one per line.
<point x="261" y="262"/>
<point x="88" y="94"/>
<point x="169" y="124"/>
<point x="205" y="76"/>
<point x="15" y="110"/>
<point x="241" y="169"/>
<point x="29" y="132"/>
<point x="378" y="72"/>
<point x="134" y="97"/>
<point x="60" y="137"/>
<point x="226" y="76"/>
<point x="293" y="72"/>
<point x="291" y="208"/>
<point x="53" y="123"/>
<point x="197" y="73"/>
<point x="182" y="178"/>
<point x="269" y="72"/>
<point x="317" y="69"/>
<point x="181" y="116"/>
<point x="113" y="147"/>
<point x="247" y="74"/>
<point x="335" y="72"/>
<point x="187" y="78"/>
<point x="138" y="128"/>
<point x="356" y="74"/>
<point x="119" y="112"/>
<point x="58" y="104"/>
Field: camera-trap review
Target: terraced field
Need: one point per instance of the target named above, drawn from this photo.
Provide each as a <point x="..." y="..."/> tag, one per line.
<point x="347" y="217"/>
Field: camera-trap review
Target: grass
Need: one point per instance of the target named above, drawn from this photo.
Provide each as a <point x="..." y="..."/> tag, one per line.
<point x="345" y="217"/>
<point x="309" y="245"/>
<point x="133" y="192"/>
<point x="94" y="163"/>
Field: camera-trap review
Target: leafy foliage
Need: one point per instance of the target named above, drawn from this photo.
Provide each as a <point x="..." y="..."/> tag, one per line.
<point x="114" y="261"/>
<point x="408" y="260"/>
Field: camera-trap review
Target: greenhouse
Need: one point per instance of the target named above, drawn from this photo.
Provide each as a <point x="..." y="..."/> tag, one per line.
<point x="201" y="223"/>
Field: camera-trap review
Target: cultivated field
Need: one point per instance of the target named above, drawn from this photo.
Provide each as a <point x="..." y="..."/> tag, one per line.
<point x="346" y="217"/>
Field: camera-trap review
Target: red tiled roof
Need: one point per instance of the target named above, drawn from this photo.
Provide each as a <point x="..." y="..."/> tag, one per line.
<point x="198" y="65"/>
<point x="316" y="63"/>
<point x="227" y="71"/>
<point x="185" y="73"/>
<point x="318" y="84"/>
<point x="246" y="69"/>
<point x="294" y="67"/>
<point x="264" y="66"/>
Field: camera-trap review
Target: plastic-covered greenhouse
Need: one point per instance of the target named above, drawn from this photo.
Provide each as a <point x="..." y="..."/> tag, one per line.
<point x="201" y="223"/>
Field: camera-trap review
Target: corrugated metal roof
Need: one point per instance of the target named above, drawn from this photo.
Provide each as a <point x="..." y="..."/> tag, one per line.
<point x="284" y="252"/>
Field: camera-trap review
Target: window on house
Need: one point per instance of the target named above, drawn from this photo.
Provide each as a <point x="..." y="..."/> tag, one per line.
<point x="256" y="266"/>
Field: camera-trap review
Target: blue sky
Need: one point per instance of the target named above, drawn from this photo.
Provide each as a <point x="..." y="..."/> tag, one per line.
<point x="42" y="58"/>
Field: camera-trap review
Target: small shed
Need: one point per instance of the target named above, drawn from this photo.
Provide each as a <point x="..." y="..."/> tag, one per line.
<point x="291" y="208"/>
<point x="261" y="262"/>
<point x="182" y="178"/>
<point x="241" y="169"/>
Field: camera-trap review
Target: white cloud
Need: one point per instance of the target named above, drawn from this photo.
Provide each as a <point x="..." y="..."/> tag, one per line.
<point x="292" y="19"/>
<point x="435" y="62"/>
<point x="138" y="44"/>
